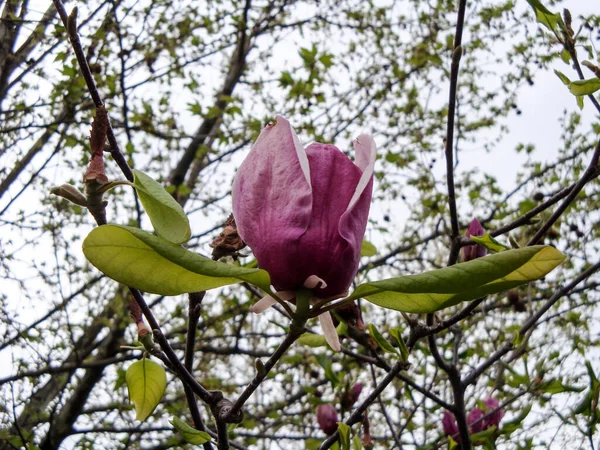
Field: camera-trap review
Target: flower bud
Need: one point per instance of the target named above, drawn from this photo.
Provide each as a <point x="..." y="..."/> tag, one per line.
<point x="471" y="252"/>
<point x="351" y="396"/>
<point x="496" y="416"/>
<point x="474" y="422"/>
<point x="327" y="418"/>
<point x="449" y="425"/>
<point x="71" y="193"/>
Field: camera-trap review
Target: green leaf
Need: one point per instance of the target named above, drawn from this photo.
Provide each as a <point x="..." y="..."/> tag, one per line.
<point x="396" y="334"/>
<point x="438" y="289"/>
<point x="579" y="101"/>
<point x="167" y="216"/>
<point x="512" y="426"/>
<point x="190" y="435"/>
<point x="563" y="78"/>
<point x="356" y="443"/>
<point x="344" y="431"/>
<point x="367" y="249"/>
<point x="584" y="87"/>
<point x="489" y="242"/>
<point x="381" y="341"/>
<point x="326" y="363"/>
<point x="142" y="260"/>
<point x="312" y="340"/>
<point x="146" y="383"/>
<point x="547" y="18"/>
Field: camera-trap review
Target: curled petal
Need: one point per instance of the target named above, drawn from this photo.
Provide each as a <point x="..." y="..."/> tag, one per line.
<point x="329" y="331"/>
<point x="314" y="281"/>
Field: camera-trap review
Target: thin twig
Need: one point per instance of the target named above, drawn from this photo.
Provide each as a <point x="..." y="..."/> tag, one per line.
<point x="358" y="412"/>
<point x="294" y="333"/>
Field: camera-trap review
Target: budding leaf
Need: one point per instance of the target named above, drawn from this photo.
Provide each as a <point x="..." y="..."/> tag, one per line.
<point x="489" y="242"/>
<point x="584" y="87"/>
<point x="367" y="249"/>
<point x="356" y="443"/>
<point x="438" y="289"/>
<point x="167" y="216"/>
<point x="381" y="341"/>
<point x="344" y="431"/>
<point x="147" y="262"/>
<point x="396" y="334"/>
<point x="563" y="78"/>
<point x="510" y="427"/>
<point x="544" y="16"/>
<point x="189" y="434"/>
<point x="146" y="383"/>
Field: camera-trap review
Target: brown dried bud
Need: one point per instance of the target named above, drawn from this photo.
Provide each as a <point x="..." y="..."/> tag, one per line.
<point x="228" y="242"/>
<point x="513" y="299"/>
<point x="95" y="171"/>
<point x="367" y="440"/>
<point x="71" y="193"/>
<point x="352" y="314"/>
<point x="594" y="68"/>
<point x="135" y="312"/>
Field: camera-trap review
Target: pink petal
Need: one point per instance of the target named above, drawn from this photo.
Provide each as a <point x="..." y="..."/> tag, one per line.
<point x="329" y="331"/>
<point x="272" y="195"/>
<point x="366" y="154"/>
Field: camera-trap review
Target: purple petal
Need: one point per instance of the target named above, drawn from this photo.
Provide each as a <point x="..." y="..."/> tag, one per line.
<point x="272" y="195"/>
<point x="494" y="418"/>
<point x="473" y="421"/>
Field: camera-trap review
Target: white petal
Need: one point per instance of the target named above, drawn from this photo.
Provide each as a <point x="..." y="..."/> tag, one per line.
<point x="329" y="332"/>
<point x="366" y="153"/>
<point x="263" y="304"/>
<point x="300" y="152"/>
<point x="267" y="301"/>
<point x="313" y="281"/>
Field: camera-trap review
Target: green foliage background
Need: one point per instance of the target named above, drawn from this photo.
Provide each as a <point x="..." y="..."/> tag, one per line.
<point x="201" y="79"/>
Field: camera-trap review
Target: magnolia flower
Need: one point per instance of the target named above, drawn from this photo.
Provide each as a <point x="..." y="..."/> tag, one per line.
<point x="471" y="252"/>
<point x="351" y="396"/>
<point x="449" y="425"/>
<point x="327" y="418"/>
<point x="303" y="212"/>
<point x="474" y="420"/>
<point x="495" y="417"/>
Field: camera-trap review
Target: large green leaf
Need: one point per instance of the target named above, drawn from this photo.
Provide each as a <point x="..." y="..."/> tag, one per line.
<point x="190" y="434"/>
<point x="146" y="382"/>
<point x="438" y="289"/>
<point x="144" y="261"/>
<point x="167" y="216"/>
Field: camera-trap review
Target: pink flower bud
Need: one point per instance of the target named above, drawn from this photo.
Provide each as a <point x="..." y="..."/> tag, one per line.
<point x="473" y="420"/>
<point x="496" y="416"/>
<point x="327" y="418"/>
<point x="351" y="396"/>
<point x="449" y="426"/>
<point x="471" y="252"/>
<point x="303" y="211"/>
